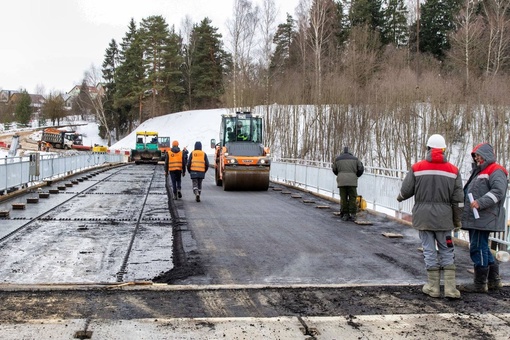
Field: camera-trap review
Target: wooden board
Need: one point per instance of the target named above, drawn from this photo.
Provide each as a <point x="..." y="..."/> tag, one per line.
<point x="18" y="206"/>
<point x="363" y="222"/>
<point x="392" y="235"/>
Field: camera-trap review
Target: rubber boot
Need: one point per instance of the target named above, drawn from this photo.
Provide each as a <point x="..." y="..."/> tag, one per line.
<point x="450" y="291"/>
<point x="493" y="278"/>
<point x="432" y="287"/>
<point x="479" y="284"/>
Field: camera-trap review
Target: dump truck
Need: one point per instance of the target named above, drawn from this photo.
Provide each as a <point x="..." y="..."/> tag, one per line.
<point x="61" y="139"/>
<point x="241" y="160"/>
<point x="146" y="149"/>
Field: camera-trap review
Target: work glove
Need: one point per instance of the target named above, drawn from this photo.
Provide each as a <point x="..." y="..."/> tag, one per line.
<point x="457" y="226"/>
<point x="183" y="174"/>
<point x="400" y="198"/>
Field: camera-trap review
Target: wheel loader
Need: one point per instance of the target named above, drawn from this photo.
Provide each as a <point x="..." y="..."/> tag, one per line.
<point x="241" y="161"/>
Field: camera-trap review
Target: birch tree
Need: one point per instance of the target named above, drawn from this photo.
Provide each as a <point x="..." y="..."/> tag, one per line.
<point x="241" y="30"/>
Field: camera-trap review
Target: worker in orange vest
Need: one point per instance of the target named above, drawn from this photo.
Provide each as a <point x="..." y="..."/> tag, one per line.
<point x="197" y="167"/>
<point x="176" y="166"/>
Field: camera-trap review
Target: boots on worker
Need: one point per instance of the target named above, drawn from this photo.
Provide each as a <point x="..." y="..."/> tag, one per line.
<point x="450" y="289"/>
<point x="432" y="287"/>
<point x="493" y="278"/>
<point x="479" y="284"/>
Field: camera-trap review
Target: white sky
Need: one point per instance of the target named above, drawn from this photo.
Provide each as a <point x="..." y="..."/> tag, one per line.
<point x="51" y="43"/>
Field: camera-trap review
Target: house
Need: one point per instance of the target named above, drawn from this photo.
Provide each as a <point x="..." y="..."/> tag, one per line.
<point x="5" y="95"/>
<point x="70" y="96"/>
<point x="37" y="100"/>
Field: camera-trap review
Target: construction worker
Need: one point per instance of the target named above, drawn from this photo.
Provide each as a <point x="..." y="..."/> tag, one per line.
<point x="176" y="166"/>
<point x="485" y="193"/>
<point x="48" y="146"/>
<point x="197" y="167"/>
<point x="241" y="136"/>
<point x="436" y="186"/>
<point x="348" y="168"/>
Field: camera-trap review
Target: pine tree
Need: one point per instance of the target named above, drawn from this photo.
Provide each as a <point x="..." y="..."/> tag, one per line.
<point x="436" y="22"/>
<point x="208" y="61"/>
<point x="283" y="39"/>
<point x="367" y="12"/>
<point x="23" y="111"/>
<point x="115" y="117"/>
<point x="155" y="36"/>
<point x="395" y="29"/>
<point x="173" y="91"/>
<point x="129" y="77"/>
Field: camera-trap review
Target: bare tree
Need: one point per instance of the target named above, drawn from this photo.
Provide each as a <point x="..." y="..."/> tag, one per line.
<point x="93" y="76"/>
<point x="497" y="14"/>
<point x="188" y="48"/>
<point x="467" y="40"/>
<point x="241" y="29"/>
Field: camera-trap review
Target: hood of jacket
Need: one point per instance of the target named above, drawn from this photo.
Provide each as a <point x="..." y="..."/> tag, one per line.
<point x="486" y="151"/>
<point x="435" y="155"/>
<point x="198" y="146"/>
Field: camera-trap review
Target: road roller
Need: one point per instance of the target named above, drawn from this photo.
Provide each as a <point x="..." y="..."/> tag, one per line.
<point x="241" y="160"/>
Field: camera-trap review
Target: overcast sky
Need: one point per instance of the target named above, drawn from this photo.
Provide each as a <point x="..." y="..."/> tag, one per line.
<point x="51" y="43"/>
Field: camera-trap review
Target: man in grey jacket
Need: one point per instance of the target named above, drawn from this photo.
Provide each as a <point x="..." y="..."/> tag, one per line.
<point x="438" y="200"/>
<point x="487" y="187"/>
<point x="347" y="169"/>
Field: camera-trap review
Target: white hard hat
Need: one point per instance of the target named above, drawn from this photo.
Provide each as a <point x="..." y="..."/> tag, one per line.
<point x="436" y="142"/>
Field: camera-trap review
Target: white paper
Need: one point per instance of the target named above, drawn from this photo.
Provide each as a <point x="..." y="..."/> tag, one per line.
<point x="475" y="211"/>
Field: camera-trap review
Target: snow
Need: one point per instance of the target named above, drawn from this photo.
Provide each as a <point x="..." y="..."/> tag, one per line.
<point x="186" y="127"/>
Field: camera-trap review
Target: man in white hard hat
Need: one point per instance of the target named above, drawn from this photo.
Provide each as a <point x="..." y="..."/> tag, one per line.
<point x="438" y="202"/>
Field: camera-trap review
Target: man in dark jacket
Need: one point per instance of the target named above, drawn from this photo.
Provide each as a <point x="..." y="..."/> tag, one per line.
<point x="347" y="169"/>
<point x="487" y="187"/>
<point x="197" y="167"/>
<point x="438" y="200"/>
<point x="175" y="165"/>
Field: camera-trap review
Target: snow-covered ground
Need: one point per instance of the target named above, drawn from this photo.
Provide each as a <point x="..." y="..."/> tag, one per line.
<point x="186" y="127"/>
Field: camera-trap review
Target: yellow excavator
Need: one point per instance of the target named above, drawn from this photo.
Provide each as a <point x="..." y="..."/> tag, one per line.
<point x="241" y="160"/>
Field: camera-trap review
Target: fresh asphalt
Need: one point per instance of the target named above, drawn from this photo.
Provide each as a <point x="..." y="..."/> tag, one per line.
<point x="265" y="265"/>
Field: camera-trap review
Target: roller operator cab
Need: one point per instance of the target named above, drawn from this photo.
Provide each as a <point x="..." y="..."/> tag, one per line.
<point x="146" y="148"/>
<point x="241" y="160"/>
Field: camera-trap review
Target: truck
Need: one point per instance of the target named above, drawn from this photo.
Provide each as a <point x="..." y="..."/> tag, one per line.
<point x="61" y="139"/>
<point x="146" y="148"/>
<point x="241" y="160"/>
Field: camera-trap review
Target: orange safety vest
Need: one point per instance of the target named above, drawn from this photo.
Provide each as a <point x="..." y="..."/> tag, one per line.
<point x="175" y="161"/>
<point x="198" y="161"/>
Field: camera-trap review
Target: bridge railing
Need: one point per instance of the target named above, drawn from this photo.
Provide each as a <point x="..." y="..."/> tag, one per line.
<point x="378" y="186"/>
<point x="23" y="171"/>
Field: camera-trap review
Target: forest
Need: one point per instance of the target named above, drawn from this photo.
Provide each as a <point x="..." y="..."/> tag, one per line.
<point x="378" y="76"/>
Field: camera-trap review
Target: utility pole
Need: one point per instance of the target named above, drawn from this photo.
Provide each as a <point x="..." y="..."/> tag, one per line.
<point x="417" y="43"/>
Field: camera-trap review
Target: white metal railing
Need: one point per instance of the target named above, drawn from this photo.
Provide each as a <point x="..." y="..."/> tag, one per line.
<point x="21" y="171"/>
<point x="378" y="186"/>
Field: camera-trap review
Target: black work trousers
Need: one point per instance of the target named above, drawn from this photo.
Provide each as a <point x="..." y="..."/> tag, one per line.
<point x="348" y="200"/>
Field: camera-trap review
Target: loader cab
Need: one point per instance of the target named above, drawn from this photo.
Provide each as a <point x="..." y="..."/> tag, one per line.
<point x="241" y="127"/>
